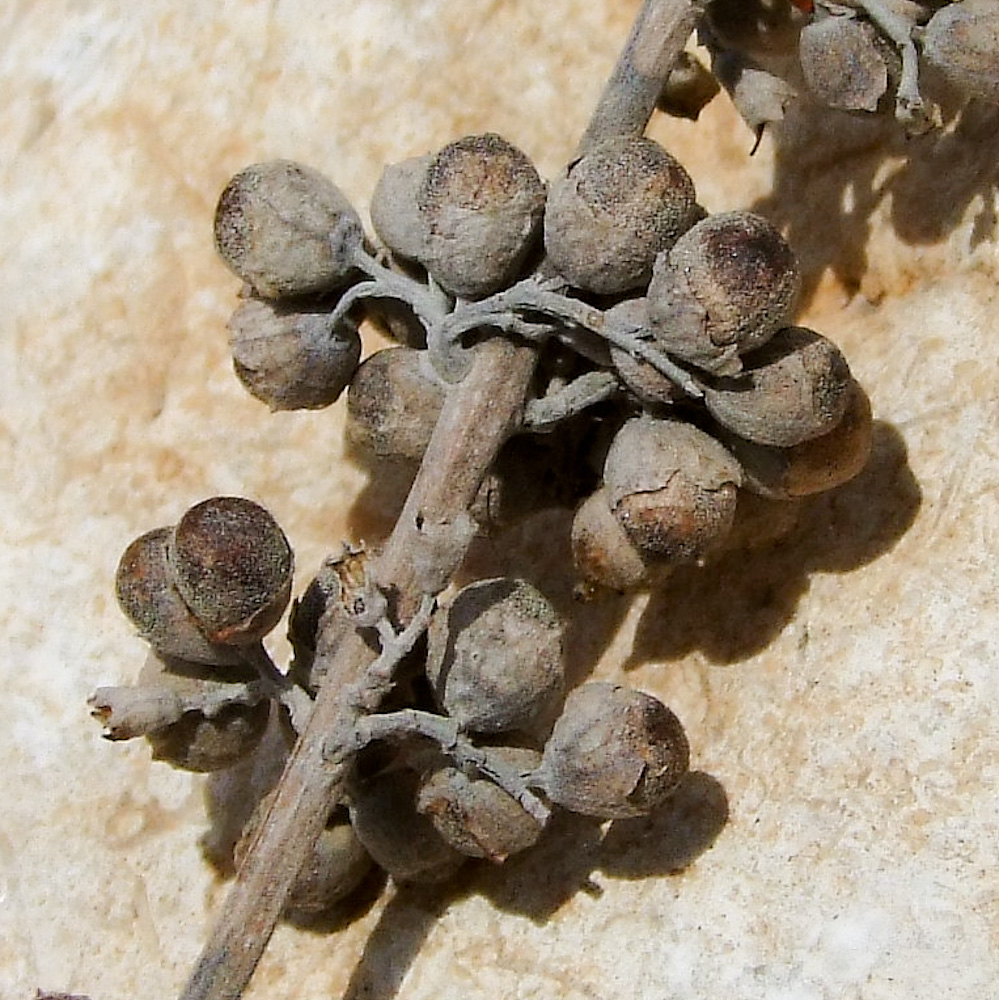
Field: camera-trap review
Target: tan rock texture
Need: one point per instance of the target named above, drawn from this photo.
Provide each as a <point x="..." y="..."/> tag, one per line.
<point x="840" y="836"/>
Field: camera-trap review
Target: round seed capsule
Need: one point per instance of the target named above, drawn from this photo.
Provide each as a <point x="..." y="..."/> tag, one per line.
<point x="482" y="201"/>
<point x="393" y="404"/>
<point x="494" y="657"/>
<point x="671" y="486"/>
<point x="402" y="841"/>
<point x="843" y="62"/>
<point x="961" y="42"/>
<point x="233" y="566"/>
<point x="395" y="214"/>
<point x="794" y="388"/>
<point x="613" y="753"/>
<point x="148" y="595"/>
<point x="286" y="230"/>
<point x="815" y="465"/>
<point x="602" y="552"/>
<point x="291" y="359"/>
<point x="726" y="288"/>
<point x="617" y="207"/>
<point x="474" y="815"/>
<point x="197" y="742"/>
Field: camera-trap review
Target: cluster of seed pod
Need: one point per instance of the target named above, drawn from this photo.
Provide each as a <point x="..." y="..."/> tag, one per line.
<point x="858" y="56"/>
<point x="450" y="771"/>
<point x="670" y="384"/>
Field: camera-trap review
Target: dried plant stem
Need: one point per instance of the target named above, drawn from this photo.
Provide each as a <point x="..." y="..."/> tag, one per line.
<point x="426" y="546"/>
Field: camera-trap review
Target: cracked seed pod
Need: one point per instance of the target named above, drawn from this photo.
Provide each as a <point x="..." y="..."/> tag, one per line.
<point x="474" y="815"/>
<point x="197" y="742"/>
<point x="494" y="658"/>
<point x="725" y="289"/>
<point x="148" y="595"/>
<point x="613" y="753"/>
<point x="813" y="466"/>
<point x="602" y="552"/>
<point x="395" y="214"/>
<point x="961" y="42"/>
<point x="794" y="388"/>
<point x="671" y="486"/>
<point x="616" y="208"/>
<point x="843" y="62"/>
<point x="286" y="230"/>
<point x="335" y="867"/>
<point x="292" y="359"/>
<point x="402" y="841"/>
<point x="393" y="404"/>
<point x="233" y="566"/>
<point x="482" y="201"/>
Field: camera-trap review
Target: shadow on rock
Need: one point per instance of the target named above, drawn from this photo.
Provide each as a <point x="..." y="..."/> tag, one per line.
<point x="739" y="603"/>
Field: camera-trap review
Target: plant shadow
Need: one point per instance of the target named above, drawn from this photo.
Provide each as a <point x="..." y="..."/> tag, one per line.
<point x="737" y="604"/>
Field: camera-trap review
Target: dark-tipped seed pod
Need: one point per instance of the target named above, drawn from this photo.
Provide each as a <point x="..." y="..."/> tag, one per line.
<point x="617" y="207"/>
<point x="474" y="815"/>
<point x="494" y="657"/>
<point x="148" y="595"/>
<point x="961" y="42"/>
<point x="602" y="552"/>
<point x="233" y="566"/>
<point x="401" y="840"/>
<point x="393" y="404"/>
<point x="395" y="214"/>
<point x="335" y="867"/>
<point x="671" y="486"/>
<point x="843" y="62"/>
<point x="614" y="752"/>
<point x="794" y="388"/>
<point x="197" y="742"/>
<point x="813" y="466"/>
<point x="292" y="359"/>
<point x="482" y="201"/>
<point x="725" y="289"/>
<point x="286" y="230"/>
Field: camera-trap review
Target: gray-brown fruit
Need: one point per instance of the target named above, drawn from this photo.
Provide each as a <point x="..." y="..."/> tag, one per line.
<point x="614" y="752"/>
<point x="286" y="230"/>
<point x="494" y="658"/>
<point x="616" y="208"/>
<point x="292" y="358"/>
<point x="961" y="42"/>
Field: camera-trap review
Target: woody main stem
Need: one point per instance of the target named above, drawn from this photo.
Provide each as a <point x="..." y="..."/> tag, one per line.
<point x="424" y="549"/>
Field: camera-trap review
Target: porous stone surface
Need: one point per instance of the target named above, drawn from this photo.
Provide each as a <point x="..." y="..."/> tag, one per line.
<point x="838" y="837"/>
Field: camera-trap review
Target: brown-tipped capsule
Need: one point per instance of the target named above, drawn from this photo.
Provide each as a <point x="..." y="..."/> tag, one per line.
<point x="233" y="566"/>
<point x="725" y="289"/>
<point x="402" y="841"/>
<point x="198" y="742"/>
<point x="482" y="201"/>
<point x="794" y="388"/>
<point x="286" y="230"/>
<point x="671" y="486"/>
<point x="494" y="658"/>
<point x="843" y="62"/>
<point x="474" y="815"/>
<point x="616" y="208"/>
<point x="812" y="466"/>
<point x="613" y="753"/>
<point x="148" y="595"/>
<point x="393" y="404"/>
<point x="602" y="552"/>
<point x="961" y="42"/>
<point x="291" y="359"/>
